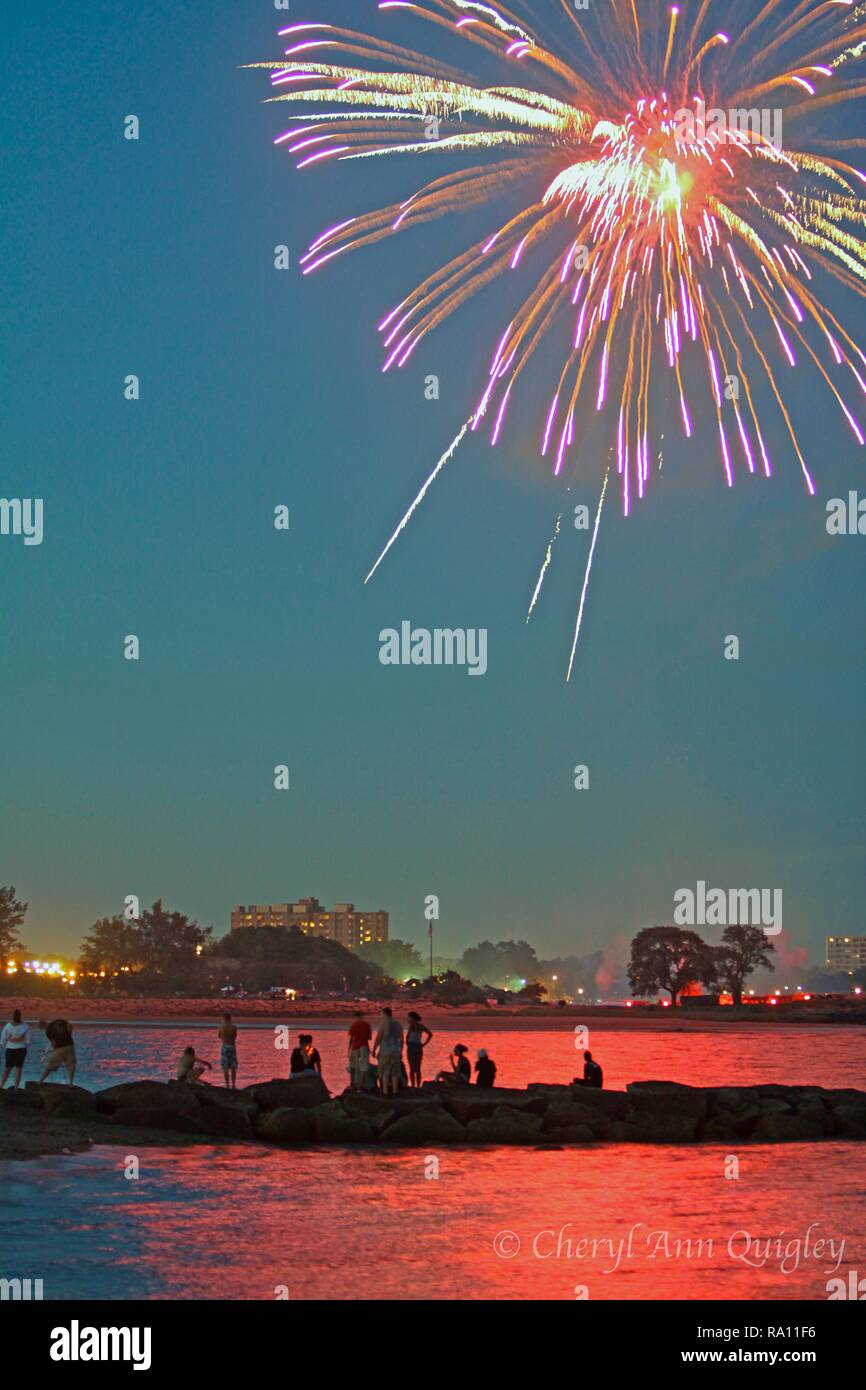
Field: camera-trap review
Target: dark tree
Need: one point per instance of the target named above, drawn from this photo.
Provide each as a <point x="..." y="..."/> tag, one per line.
<point x="398" y="959"/>
<point x="742" y="951"/>
<point x="532" y="991"/>
<point x="11" y="917"/>
<point x="451" y="988"/>
<point x="111" y="944"/>
<point x="668" y="958"/>
<point x="500" y="963"/>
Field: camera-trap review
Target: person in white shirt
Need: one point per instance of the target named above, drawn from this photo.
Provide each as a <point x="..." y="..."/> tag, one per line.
<point x="14" y="1041"/>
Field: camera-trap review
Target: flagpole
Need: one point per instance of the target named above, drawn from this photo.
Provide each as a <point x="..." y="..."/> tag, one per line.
<point x="430" y="929"/>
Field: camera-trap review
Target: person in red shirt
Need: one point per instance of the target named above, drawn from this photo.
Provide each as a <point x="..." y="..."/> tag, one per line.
<point x="360" y="1034"/>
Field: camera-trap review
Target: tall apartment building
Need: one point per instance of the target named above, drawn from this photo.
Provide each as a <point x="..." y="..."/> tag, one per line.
<point x="342" y="922"/>
<point x="846" y="953"/>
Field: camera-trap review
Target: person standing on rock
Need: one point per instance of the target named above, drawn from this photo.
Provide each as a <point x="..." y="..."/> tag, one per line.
<point x="228" y="1034"/>
<point x="388" y="1050"/>
<point x="415" y="1044"/>
<point x="14" y="1041"/>
<point x="360" y="1034"/>
<point x="62" y="1054"/>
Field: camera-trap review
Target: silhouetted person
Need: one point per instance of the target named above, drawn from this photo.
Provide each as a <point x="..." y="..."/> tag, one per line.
<point x="592" y="1073"/>
<point x="461" y="1072"/>
<point x="62" y="1054"/>
<point x="190" y="1067"/>
<point x="305" y="1059"/>
<point x="388" y="1051"/>
<point x="228" y="1051"/>
<point x="485" y="1070"/>
<point x="360" y="1035"/>
<point x="415" y="1044"/>
<point x="14" y="1041"/>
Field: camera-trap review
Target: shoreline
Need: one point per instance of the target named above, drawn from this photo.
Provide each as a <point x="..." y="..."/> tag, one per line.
<point x="311" y="1013"/>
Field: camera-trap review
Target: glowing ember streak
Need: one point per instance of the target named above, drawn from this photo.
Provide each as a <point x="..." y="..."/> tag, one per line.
<point x="586" y="576"/>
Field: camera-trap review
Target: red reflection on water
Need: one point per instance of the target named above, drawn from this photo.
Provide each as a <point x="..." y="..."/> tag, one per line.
<point x="504" y="1224"/>
<point x="746" y="1054"/>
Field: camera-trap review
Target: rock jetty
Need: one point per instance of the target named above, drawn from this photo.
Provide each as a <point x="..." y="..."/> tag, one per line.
<point x="302" y="1113"/>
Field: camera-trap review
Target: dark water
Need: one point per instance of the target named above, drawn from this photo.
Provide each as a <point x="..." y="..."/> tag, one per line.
<point x="253" y="1223"/>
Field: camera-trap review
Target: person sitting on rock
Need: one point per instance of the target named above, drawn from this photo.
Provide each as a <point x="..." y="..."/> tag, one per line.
<point x="461" y="1072"/>
<point x="297" y="1062"/>
<point x="592" y="1073"/>
<point x="310" y="1054"/>
<point x="190" y="1067"/>
<point x="485" y="1070"/>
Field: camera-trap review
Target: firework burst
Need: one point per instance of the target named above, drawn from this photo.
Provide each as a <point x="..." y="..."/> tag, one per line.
<point x="680" y="198"/>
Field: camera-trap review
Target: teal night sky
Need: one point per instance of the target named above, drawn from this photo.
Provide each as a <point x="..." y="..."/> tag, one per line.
<point x="259" y="647"/>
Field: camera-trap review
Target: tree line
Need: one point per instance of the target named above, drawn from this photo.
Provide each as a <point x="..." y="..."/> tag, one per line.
<point x="164" y="951"/>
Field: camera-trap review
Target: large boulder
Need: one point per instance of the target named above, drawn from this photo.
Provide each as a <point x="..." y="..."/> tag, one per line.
<point x="376" y="1111"/>
<point x="780" y="1126"/>
<point x="613" y="1104"/>
<point x="225" y="1113"/>
<point x="226" y="1121"/>
<point x="571" y="1134"/>
<point x="289" y="1125"/>
<point x="470" y="1103"/>
<point x="334" y="1126"/>
<point x="453" y="1097"/>
<point x="73" y="1109"/>
<point x="505" y="1126"/>
<point x="819" y="1117"/>
<point x="155" y="1117"/>
<point x="304" y="1092"/>
<point x="27" y="1099"/>
<point x="726" y="1100"/>
<point x="368" y="1104"/>
<point x="723" y="1125"/>
<point x="846" y="1098"/>
<point x="849" y="1122"/>
<point x="570" y="1115"/>
<point x="716" y="1130"/>
<point x="425" y="1127"/>
<point x="647" y="1127"/>
<point x="773" y="1105"/>
<point x="174" y="1096"/>
<point x="223" y="1095"/>
<point x="786" y="1094"/>
<point x="54" y="1096"/>
<point x="663" y="1099"/>
<point x="464" y="1108"/>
